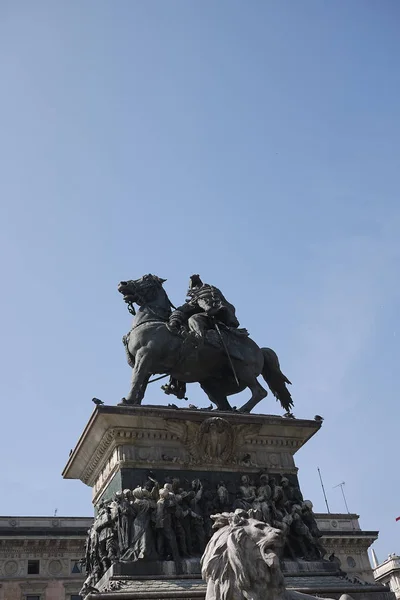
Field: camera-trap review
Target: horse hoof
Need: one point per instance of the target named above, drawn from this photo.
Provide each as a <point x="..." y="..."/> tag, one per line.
<point x="289" y="415"/>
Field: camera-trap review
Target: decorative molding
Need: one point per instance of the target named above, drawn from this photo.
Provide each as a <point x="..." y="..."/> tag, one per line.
<point x="95" y="459"/>
<point x="113" y="426"/>
<point x="115" y="437"/>
<point x="347" y="542"/>
<point x="162" y="437"/>
<point x="55" y="567"/>
<point x="276" y="441"/>
<point x="73" y="587"/>
<point x="12" y="549"/>
<point x="10" y="568"/>
<point x="33" y="587"/>
<point x="115" y="585"/>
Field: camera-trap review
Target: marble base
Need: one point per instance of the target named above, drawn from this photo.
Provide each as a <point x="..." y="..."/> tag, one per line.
<point x="121" y="444"/>
<point x="318" y="578"/>
<point x="190" y="567"/>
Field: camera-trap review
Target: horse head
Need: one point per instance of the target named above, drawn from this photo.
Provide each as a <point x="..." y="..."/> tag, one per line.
<point x="141" y="291"/>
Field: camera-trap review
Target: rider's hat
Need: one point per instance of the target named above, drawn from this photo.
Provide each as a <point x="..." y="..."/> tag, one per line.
<point x="195" y="281"/>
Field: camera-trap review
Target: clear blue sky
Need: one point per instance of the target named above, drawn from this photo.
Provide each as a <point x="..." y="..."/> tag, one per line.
<point x="255" y="143"/>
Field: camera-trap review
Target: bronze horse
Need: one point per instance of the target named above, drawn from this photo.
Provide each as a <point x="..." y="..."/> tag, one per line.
<point x="153" y="348"/>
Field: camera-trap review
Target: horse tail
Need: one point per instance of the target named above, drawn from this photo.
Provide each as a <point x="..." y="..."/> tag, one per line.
<point x="129" y="357"/>
<point x="275" y="379"/>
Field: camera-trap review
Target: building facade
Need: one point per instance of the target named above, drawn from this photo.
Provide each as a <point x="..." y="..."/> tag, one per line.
<point x="388" y="572"/>
<point x="343" y="537"/>
<point x="40" y="556"/>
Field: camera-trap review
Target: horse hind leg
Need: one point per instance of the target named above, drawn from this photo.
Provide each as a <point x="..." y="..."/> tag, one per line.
<point x="257" y="392"/>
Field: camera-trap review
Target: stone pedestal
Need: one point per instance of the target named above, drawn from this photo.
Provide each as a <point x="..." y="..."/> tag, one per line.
<point x="121" y="444"/>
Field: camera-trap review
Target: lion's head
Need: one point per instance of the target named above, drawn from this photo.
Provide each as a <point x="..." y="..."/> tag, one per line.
<point x="241" y="559"/>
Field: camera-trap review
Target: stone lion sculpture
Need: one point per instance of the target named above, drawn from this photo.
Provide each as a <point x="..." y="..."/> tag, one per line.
<point x="241" y="561"/>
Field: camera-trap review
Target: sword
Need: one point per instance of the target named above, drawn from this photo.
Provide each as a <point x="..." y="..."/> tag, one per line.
<point x="226" y="352"/>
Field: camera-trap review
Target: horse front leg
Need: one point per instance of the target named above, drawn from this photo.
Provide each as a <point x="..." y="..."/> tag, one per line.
<point x="140" y="378"/>
<point x="216" y="395"/>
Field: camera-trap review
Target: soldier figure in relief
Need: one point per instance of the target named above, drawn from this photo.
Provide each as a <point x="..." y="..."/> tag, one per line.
<point x="179" y="524"/>
<point x="197" y="513"/>
<point x="222" y="498"/>
<point x="246" y="494"/>
<point x="124" y="519"/>
<point x="263" y="500"/>
<point x="105" y="526"/>
<point x="166" y="538"/>
<point x="311" y="522"/>
<point x="291" y="494"/>
<point x="93" y="567"/>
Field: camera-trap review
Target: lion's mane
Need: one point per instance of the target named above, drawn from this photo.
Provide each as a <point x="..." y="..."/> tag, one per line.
<point x="240" y="561"/>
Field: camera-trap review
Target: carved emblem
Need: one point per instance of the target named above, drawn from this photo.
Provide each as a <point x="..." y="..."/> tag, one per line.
<point x="214" y="440"/>
<point x="11" y="568"/>
<point x="55" y="567"/>
<point x="273" y="459"/>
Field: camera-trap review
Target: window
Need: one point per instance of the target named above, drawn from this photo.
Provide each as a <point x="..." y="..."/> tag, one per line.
<point x="32" y="597"/>
<point x="351" y="562"/>
<point x="76" y="566"/>
<point x="33" y="569"/>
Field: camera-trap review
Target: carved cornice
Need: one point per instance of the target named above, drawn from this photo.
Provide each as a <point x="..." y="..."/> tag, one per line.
<point x="115" y="437"/>
<point x="122" y="435"/>
<point x="96" y="458"/>
<point x="146" y="426"/>
<point x="193" y="437"/>
<point x="41" y="545"/>
<point x="348" y="542"/>
<point x="276" y="441"/>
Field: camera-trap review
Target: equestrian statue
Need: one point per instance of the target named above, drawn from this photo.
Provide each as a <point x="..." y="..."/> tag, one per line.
<point x="199" y="341"/>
